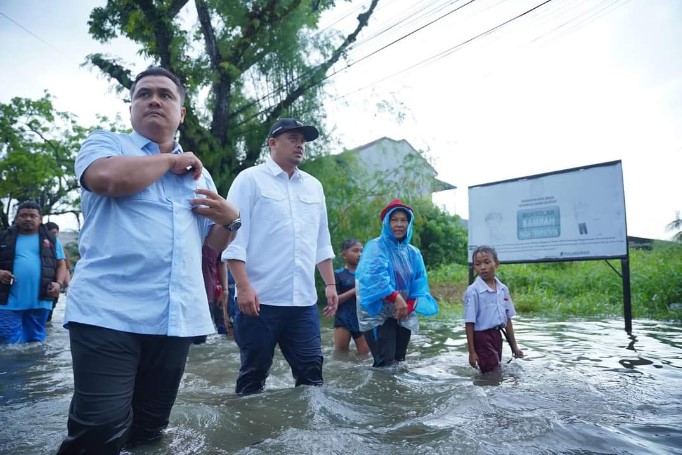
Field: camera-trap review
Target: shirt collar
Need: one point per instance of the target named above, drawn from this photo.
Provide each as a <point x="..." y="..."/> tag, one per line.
<point x="145" y="143"/>
<point x="482" y="286"/>
<point x="276" y="170"/>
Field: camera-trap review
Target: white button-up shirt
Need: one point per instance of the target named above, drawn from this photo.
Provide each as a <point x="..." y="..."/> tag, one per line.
<point x="485" y="307"/>
<point x="284" y="233"/>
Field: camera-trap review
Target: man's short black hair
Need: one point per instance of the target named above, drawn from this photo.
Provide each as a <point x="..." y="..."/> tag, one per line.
<point x="160" y="71"/>
<point x="28" y="205"/>
<point x="50" y="225"/>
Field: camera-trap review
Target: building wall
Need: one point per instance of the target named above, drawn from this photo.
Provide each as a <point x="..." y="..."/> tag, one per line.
<point x="399" y="165"/>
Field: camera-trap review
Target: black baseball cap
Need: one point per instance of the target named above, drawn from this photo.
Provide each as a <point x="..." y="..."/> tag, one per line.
<point x="310" y="133"/>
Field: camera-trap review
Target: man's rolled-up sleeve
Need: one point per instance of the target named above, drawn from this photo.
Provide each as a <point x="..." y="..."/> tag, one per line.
<point x="324" y="243"/>
<point x="99" y="144"/>
<point x="240" y="195"/>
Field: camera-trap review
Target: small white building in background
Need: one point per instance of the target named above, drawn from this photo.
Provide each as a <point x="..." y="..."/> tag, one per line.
<point x="401" y="165"/>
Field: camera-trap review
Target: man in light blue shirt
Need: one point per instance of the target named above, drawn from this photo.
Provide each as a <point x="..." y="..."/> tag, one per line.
<point x="137" y="296"/>
<point x="273" y="261"/>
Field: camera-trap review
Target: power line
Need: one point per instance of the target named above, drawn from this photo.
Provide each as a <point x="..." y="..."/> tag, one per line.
<point x="597" y="11"/>
<point x="437" y="56"/>
<point x="408" y="18"/>
<point x="336" y="21"/>
<point x="243" y="108"/>
<point x="34" y="35"/>
<point x="449" y="50"/>
<point x="487" y="32"/>
<point x="593" y="15"/>
<point x="413" y="32"/>
<point x="584" y="17"/>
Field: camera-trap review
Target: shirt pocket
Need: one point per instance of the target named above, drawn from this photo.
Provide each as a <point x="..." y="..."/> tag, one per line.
<point x="488" y="300"/>
<point x="274" y="203"/>
<point x="311" y="205"/>
<point x="180" y="189"/>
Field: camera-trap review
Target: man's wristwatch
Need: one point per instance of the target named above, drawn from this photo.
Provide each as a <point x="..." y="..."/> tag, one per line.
<point x="234" y="224"/>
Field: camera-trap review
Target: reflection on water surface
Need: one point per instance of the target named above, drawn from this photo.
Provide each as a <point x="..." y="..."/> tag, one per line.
<point x="585" y="387"/>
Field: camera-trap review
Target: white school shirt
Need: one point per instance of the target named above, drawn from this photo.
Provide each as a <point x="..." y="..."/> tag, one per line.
<point x="284" y="233"/>
<point x="485" y="307"/>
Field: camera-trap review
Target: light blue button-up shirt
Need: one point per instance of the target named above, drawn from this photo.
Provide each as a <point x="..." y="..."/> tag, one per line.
<point x="284" y="233"/>
<point x="485" y="307"/>
<point x="140" y="265"/>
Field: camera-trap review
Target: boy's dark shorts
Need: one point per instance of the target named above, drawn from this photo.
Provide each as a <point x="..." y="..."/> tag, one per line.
<point x="489" y="349"/>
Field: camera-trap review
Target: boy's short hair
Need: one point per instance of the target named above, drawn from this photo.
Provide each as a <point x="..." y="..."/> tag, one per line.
<point x="160" y="71"/>
<point x="485" y="249"/>
<point x="348" y="243"/>
<point x="50" y="225"/>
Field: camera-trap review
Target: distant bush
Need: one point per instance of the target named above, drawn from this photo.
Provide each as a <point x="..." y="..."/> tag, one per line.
<point x="584" y="288"/>
<point x="448" y="283"/>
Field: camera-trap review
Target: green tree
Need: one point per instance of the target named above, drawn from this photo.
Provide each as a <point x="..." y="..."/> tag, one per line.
<point x="676" y="225"/>
<point x="355" y="199"/>
<point x="441" y="237"/>
<point x="37" y="150"/>
<point x="256" y="60"/>
<point x="353" y="207"/>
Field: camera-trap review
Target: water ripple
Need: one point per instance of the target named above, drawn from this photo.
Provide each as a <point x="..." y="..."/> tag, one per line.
<point x="584" y="387"/>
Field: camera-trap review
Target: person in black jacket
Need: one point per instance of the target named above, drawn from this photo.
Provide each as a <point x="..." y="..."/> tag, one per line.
<point x="32" y="274"/>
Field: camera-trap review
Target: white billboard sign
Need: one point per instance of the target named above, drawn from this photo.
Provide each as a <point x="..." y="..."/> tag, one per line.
<point x="565" y="215"/>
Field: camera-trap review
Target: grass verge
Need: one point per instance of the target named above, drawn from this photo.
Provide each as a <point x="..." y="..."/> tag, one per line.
<point x="579" y="289"/>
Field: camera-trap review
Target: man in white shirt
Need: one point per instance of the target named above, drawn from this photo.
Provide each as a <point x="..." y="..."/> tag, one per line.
<point x="273" y="258"/>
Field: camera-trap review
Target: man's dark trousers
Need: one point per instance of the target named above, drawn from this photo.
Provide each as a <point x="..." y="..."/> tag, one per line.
<point x="125" y="385"/>
<point x="295" y="329"/>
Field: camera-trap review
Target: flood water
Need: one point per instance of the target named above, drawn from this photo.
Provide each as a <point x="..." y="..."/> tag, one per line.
<point x="585" y="387"/>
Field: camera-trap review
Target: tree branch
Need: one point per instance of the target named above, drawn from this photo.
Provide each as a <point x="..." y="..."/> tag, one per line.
<point x="222" y="84"/>
<point x="176" y="6"/>
<point x="319" y="72"/>
<point x="113" y="69"/>
<point x="258" y="20"/>
<point x="160" y="29"/>
<point x="209" y="34"/>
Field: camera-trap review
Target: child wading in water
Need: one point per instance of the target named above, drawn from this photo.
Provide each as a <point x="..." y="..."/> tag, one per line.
<point x="346" y="320"/>
<point x="488" y="310"/>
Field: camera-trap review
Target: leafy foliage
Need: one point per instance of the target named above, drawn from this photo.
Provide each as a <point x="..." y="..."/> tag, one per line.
<point x="448" y="283"/>
<point x="355" y="199"/>
<point x="36" y="157"/>
<point x="676" y="225"/>
<point x="441" y="237"/>
<point x="245" y="63"/>
<point x="38" y="146"/>
<point x="586" y="288"/>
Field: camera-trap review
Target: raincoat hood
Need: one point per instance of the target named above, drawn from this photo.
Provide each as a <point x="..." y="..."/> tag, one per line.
<point x="390" y="265"/>
<point x="387" y="233"/>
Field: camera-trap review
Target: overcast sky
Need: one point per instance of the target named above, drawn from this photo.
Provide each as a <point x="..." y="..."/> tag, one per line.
<point x="572" y="83"/>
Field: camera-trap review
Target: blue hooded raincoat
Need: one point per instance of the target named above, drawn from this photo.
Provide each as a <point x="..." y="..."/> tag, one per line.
<point x="388" y="265"/>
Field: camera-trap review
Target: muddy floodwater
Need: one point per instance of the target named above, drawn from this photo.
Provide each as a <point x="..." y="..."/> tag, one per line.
<point x="585" y="387"/>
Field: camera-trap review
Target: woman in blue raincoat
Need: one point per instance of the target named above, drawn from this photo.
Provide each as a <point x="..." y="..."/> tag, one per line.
<point x="392" y="287"/>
